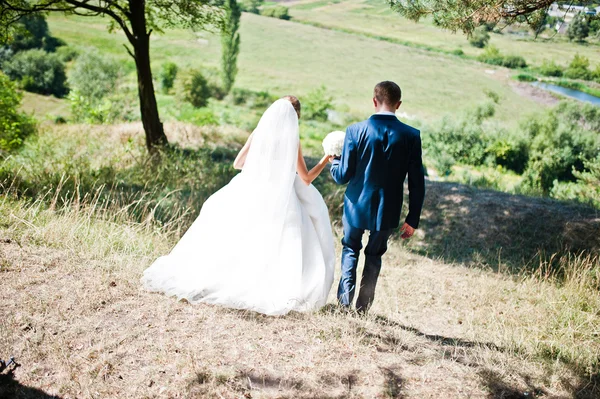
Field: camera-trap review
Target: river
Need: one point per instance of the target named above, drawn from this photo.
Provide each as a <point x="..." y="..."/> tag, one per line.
<point x="576" y="94"/>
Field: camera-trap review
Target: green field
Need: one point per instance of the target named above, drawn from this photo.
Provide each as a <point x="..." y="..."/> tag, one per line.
<point x="287" y="57"/>
<point x="371" y="17"/>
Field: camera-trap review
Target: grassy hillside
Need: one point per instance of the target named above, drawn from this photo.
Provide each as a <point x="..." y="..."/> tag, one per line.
<point x="374" y="17"/>
<point x="286" y="57"/>
<point x="470" y="308"/>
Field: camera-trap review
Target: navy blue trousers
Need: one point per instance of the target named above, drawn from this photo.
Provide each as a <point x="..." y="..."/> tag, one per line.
<point x="374" y="250"/>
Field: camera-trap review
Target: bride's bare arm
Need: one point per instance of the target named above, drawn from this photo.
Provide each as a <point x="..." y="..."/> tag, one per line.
<point x="306" y="175"/>
<point x="240" y="160"/>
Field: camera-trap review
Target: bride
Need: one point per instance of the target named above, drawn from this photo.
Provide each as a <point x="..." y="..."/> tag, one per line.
<point x="263" y="242"/>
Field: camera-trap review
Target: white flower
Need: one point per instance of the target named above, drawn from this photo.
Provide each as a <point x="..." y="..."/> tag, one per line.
<point x="333" y="143"/>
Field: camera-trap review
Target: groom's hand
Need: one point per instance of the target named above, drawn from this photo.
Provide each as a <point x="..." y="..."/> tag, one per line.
<point x="407" y="231"/>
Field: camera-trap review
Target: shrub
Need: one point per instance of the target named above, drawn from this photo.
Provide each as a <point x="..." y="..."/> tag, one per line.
<point x="38" y="72"/>
<point x="167" y="76"/>
<point x="525" y="77"/>
<point x="94" y="76"/>
<point x="195" y="89"/>
<point x="510" y="153"/>
<point x="460" y="140"/>
<point x="578" y="68"/>
<point x="550" y="68"/>
<point x="514" y="62"/>
<point x="316" y="103"/>
<point x="480" y="37"/>
<point x="458" y="52"/>
<point x="562" y="140"/>
<point x="252" y="99"/>
<point x="280" y="12"/>
<point x="251" y="6"/>
<point x="67" y="53"/>
<point x="491" y="55"/>
<point x="14" y="126"/>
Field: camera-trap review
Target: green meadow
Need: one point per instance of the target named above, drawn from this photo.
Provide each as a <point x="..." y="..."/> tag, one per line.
<point x="285" y="57"/>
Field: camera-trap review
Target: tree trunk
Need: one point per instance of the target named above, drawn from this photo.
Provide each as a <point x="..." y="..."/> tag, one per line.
<point x="153" y="127"/>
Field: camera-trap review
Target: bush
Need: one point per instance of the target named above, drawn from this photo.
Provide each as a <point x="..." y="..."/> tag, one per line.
<point x="510" y="153"/>
<point x="514" y="62"/>
<point x="462" y="140"/>
<point x="492" y="56"/>
<point x="38" y="72"/>
<point x="252" y="99"/>
<point x="251" y="6"/>
<point x="14" y="126"/>
<point x="458" y="52"/>
<point x="480" y="37"/>
<point x="67" y="53"/>
<point x="94" y="76"/>
<point x="562" y="140"/>
<point x="578" y="68"/>
<point x="550" y="68"/>
<point x="167" y="76"/>
<point x="525" y="77"/>
<point x="195" y="89"/>
<point x="316" y="103"/>
<point x="280" y="12"/>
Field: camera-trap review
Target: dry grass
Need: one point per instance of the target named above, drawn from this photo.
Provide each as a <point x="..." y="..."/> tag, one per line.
<point x="74" y="316"/>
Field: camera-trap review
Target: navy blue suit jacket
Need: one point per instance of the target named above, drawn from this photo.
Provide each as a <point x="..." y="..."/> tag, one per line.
<point x="378" y="154"/>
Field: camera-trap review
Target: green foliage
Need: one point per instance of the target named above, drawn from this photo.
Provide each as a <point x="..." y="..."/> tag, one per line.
<point x="230" y="44"/>
<point x="14" y="126"/>
<point x="562" y="140"/>
<point x="252" y="6"/>
<point x="38" y="71"/>
<point x="578" y="28"/>
<point x="459" y="140"/>
<point x="578" y="68"/>
<point x="458" y="52"/>
<point x="94" y="76"/>
<point x="167" y="76"/>
<point x="511" y="153"/>
<point x="67" y="53"/>
<point x="96" y="96"/>
<point x="195" y="89"/>
<point x="278" y="11"/>
<point x="492" y="56"/>
<point x="31" y="32"/>
<point x="252" y="99"/>
<point x="468" y="15"/>
<point x="525" y="77"/>
<point x="480" y="37"/>
<point x="551" y="68"/>
<point x="316" y="103"/>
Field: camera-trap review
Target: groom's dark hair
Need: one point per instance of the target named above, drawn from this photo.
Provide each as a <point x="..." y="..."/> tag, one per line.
<point x="387" y="92"/>
<point x="295" y="103"/>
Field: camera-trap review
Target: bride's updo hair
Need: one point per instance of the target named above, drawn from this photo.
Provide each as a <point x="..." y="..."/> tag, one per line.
<point x="295" y="103"/>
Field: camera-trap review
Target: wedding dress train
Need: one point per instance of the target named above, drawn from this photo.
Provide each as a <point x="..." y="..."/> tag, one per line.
<point x="263" y="242"/>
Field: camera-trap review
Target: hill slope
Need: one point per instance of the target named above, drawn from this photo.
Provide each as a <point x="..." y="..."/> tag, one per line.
<point x="451" y="322"/>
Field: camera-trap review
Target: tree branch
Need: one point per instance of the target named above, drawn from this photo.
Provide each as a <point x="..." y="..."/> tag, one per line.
<point x="129" y="51"/>
<point x="107" y="11"/>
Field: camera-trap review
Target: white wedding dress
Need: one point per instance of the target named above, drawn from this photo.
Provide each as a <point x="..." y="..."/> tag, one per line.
<point x="264" y="241"/>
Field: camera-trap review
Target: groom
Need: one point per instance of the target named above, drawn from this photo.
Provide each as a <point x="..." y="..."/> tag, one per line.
<point x="377" y="156"/>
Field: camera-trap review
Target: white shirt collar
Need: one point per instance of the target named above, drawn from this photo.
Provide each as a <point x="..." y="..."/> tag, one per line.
<point x="385" y="113"/>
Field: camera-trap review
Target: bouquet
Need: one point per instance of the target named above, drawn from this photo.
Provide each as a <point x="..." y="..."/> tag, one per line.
<point x="333" y="143"/>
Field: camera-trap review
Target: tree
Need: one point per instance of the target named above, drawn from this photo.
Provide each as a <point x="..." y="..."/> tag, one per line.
<point x="137" y="19"/>
<point x="480" y="37"/>
<point x="578" y="28"/>
<point x="467" y="15"/>
<point x="230" y="43"/>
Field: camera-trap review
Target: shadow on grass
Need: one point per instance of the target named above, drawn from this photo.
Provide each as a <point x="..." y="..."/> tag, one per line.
<point x="587" y="385"/>
<point x="13" y="389"/>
